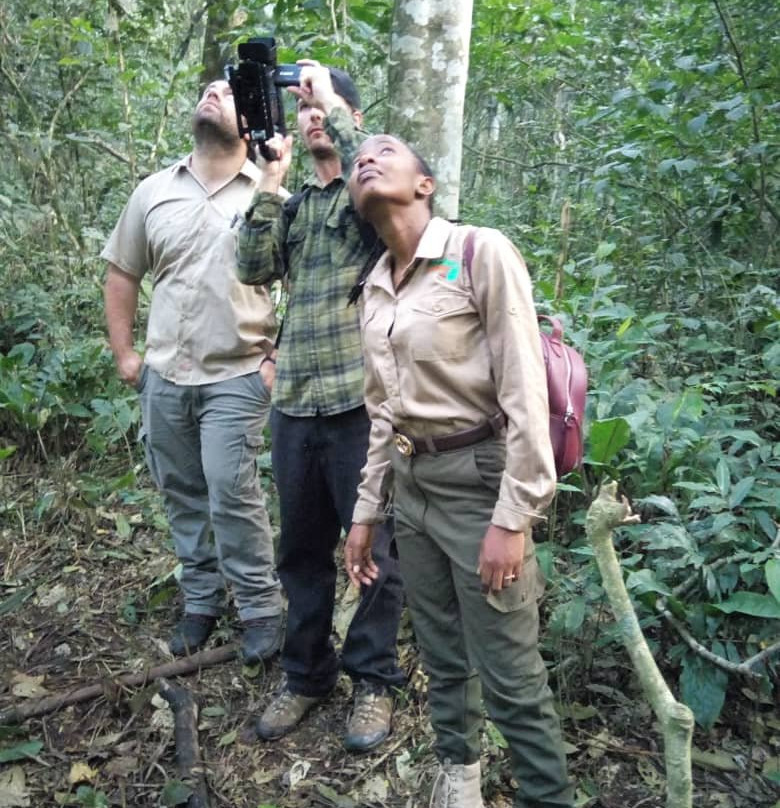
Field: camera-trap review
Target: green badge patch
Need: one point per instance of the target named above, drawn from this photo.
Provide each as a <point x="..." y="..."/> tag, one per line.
<point x="452" y="268"/>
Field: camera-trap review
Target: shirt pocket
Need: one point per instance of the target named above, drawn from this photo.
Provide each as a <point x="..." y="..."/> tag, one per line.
<point x="442" y="325"/>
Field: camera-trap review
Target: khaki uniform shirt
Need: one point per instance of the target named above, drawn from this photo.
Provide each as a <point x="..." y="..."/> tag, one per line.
<point x="204" y="325"/>
<point x="441" y="357"/>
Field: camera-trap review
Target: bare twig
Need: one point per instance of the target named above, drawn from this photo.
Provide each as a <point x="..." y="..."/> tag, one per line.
<point x="742" y="668"/>
<point x="94" y="140"/>
<point x="742" y="73"/>
<point x="500" y="158"/>
<point x="181" y="667"/>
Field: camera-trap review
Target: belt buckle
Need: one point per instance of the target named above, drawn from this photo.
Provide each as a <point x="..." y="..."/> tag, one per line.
<point x="403" y="444"/>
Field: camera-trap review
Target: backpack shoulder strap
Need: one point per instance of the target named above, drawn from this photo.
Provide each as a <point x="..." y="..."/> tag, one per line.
<point x="468" y="254"/>
<point x="292" y="203"/>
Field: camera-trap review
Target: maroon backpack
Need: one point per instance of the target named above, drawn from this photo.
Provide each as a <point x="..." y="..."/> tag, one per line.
<point x="567" y="382"/>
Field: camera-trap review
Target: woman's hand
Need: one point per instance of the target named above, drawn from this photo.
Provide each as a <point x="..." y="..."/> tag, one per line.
<point x="501" y="557"/>
<point x="357" y="555"/>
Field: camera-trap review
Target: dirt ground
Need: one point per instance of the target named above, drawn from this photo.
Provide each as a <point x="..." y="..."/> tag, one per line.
<point x="87" y="594"/>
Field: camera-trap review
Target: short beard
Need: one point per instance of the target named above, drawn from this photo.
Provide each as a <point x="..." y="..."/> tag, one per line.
<point x="211" y="134"/>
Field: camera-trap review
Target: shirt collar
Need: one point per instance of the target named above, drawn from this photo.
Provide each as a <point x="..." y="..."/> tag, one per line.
<point x="249" y="169"/>
<point x="432" y="244"/>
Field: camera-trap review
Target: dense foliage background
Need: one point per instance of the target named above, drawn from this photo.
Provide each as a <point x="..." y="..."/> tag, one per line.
<point x="632" y="152"/>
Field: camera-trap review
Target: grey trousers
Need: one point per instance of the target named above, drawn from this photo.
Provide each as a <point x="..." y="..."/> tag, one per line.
<point x="201" y="444"/>
<point x="474" y="645"/>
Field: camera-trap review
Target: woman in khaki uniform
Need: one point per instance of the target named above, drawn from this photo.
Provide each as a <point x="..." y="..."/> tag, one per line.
<point x="456" y="391"/>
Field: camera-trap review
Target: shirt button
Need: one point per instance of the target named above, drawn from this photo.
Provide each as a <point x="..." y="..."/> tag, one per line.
<point x="437" y="307"/>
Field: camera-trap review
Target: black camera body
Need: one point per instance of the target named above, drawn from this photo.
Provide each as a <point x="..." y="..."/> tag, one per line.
<point x="257" y="85"/>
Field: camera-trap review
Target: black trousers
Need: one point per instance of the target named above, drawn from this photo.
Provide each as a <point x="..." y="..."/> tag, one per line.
<point x="316" y="463"/>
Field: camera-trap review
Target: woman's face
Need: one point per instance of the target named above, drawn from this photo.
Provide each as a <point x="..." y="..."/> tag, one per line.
<point x="386" y="170"/>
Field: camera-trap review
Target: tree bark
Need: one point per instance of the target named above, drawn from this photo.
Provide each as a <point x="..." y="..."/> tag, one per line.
<point x="216" y="52"/>
<point x="429" y="61"/>
<point x="676" y="719"/>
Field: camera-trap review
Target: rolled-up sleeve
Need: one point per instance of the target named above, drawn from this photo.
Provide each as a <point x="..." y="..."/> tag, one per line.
<point x="260" y="250"/>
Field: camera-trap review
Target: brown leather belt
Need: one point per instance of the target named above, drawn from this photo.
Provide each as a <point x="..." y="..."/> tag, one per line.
<point x="408" y="446"/>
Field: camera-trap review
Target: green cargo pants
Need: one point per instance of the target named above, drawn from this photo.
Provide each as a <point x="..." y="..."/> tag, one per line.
<point x="476" y="645"/>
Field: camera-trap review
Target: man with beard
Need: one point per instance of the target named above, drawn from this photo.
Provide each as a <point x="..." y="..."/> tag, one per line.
<point x="203" y="402"/>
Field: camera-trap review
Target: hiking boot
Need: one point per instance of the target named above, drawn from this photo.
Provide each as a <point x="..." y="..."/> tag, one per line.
<point x="261" y="638"/>
<point x="191" y="633"/>
<point x="284" y="713"/>
<point x="457" y="786"/>
<point x="369" y="723"/>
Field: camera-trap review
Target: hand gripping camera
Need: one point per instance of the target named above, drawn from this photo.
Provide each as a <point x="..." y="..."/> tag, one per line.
<point x="257" y="85"/>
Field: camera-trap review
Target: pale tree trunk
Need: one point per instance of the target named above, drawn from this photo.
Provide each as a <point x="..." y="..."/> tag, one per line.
<point x="429" y="61"/>
<point x="676" y="719"/>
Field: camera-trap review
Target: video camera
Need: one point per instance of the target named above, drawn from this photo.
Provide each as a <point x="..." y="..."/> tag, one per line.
<point x="257" y="85"/>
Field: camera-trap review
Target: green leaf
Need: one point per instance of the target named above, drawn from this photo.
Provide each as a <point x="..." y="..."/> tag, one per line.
<point x="772" y="572"/>
<point x="667" y="536"/>
<point x="643" y="581"/>
<point x="661" y="503"/>
<point x="698" y="123"/>
<point x="751" y="603"/>
<point x="495" y="736"/>
<point x="703" y="689"/>
<point x="544" y="557"/>
<point x="20" y="751"/>
<point x="741" y="490"/>
<point x="624" y="326"/>
<point x="710" y="503"/>
<point x="604" y="249"/>
<point x="13" y="602"/>
<point x="89" y="798"/>
<point x="685" y="166"/>
<point x="175" y="793"/>
<point x="606" y="438"/>
<point x="228" y="738"/>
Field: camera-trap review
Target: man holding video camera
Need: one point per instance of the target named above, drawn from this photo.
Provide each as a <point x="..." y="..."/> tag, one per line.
<point x="319" y="425"/>
<point x="203" y="401"/>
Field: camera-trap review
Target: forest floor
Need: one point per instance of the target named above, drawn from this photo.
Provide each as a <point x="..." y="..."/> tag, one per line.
<point x="87" y="594"/>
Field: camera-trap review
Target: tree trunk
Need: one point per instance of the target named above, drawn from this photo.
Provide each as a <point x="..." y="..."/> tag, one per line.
<point x="216" y="51"/>
<point x="676" y="719"/>
<point x="429" y="61"/>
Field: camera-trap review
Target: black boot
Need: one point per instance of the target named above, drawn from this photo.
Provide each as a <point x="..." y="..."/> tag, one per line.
<point x="191" y="633"/>
<point x="261" y="638"/>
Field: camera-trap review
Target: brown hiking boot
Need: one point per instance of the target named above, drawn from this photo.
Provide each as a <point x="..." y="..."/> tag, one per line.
<point x="369" y="723"/>
<point x="284" y="713"/>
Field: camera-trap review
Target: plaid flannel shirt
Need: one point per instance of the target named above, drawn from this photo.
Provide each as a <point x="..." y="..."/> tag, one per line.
<point x="319" y="254"/>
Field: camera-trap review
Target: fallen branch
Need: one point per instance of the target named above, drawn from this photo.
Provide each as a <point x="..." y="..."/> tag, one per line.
<point x="181" y="667"/>
<point x="604" y="515"/>
<point x="185" y="733"/>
